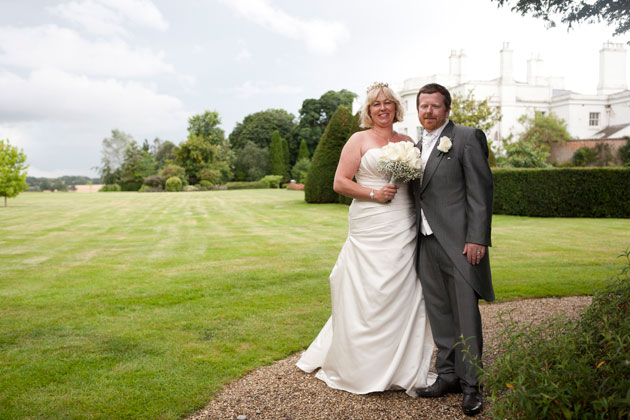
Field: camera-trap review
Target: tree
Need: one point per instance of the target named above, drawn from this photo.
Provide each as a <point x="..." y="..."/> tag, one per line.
<point x="113" y="155"/>
<point x="320" y="178"/>
<point x="194" y="155"/>
<point x="465" y="110"/>
<point x="576" y="11"/>
<point x="542" y="130"/>
<point x="316" y="113"/>
<point x="206" y="126"/>
<point x="163" y="151"/>
<point x="300" y="170"/>
<point x="252" y="162"/>
<point x="138" y="164"/>
<point x="303" y="151"/>
<point x="258" y="128"/>
<point x="624" y="153"/>
<point x="12" y="171"/>
<point x="277" y="164"/>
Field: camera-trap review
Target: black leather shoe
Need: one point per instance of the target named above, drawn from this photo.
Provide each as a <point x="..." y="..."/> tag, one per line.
<point x="440" y="388"/>
<point x="472" y="403"/>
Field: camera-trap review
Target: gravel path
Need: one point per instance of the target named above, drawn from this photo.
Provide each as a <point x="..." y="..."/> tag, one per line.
<point x="283" y="392"/>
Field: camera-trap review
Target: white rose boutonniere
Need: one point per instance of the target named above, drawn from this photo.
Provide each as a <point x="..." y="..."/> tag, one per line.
<point x="445" y="145"/>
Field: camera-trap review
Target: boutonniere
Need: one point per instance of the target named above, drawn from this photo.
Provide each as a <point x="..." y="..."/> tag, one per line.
<point x="444" y="145"/>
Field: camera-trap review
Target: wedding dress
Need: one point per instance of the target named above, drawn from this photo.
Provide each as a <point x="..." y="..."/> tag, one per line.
<point x="378" y="336"/>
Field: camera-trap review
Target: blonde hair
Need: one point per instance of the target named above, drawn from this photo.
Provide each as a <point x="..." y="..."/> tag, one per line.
<point x="372" y="94"/>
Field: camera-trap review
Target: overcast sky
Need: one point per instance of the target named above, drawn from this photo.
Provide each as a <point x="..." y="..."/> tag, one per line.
<point x="71" y="71"/>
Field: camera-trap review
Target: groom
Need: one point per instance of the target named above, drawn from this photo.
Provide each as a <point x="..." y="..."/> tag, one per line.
<point x="454" y="211"/>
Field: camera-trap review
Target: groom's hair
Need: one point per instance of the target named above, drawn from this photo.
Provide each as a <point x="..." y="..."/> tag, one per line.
<point x="435" y="88"/>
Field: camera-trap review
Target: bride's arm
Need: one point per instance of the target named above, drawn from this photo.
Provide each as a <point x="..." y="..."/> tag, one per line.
<point x="348" y="165"/>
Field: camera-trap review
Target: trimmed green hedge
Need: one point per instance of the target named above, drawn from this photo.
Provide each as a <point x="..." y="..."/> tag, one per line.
<point x="566" y="192"/>
<point x="246" y="185"/>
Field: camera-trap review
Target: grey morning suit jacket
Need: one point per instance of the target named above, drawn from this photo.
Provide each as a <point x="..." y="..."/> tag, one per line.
<point x="456" y="196"/>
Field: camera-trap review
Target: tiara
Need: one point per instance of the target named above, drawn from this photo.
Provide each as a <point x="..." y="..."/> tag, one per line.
<point x="376" y="85"/>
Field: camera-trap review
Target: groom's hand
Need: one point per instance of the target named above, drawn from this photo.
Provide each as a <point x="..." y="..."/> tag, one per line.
<point x="474" y="252"/>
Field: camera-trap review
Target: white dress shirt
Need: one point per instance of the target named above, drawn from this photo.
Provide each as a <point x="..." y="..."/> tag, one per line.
<point x="429" y="139"/>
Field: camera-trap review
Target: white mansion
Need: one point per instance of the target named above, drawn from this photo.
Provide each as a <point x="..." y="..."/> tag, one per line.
<point x="604" y="115"/>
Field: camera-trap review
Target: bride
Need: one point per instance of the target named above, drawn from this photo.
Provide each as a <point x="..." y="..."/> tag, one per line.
<point x="378" y="336"/>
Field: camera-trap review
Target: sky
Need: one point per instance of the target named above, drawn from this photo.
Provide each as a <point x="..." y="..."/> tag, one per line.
<point x="71" y="71"/>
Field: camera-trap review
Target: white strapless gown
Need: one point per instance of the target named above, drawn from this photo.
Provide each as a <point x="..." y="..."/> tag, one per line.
<point x="378" y="336"/>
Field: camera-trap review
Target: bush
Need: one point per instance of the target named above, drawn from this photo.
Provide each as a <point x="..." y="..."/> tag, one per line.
<point x="154" y="181"/>
<point x="245" y="185"/>
<point x="567" y="369"/>
<point x="272" y="181"/>
<point x="206" y="184"/>
<point x="319" y="187"/>
<point x="566" y="192"/>
<point x="300" y="170"/>
<point x="211" y="175"/>
<point x="110" y="188"/>
<point x="146" y="188"/>
<point x="172" y="170"/>
<point x="174" y="184"/>
<point x="584" y="156"/>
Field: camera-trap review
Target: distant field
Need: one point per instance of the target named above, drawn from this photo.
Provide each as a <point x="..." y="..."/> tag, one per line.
<point x="140" y="306"/>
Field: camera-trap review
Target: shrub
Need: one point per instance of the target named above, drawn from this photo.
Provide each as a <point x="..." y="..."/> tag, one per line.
<point x="155" y="181"/>
<point x="146" y="188"/>
<point x="245" y="185"/>
<point x="300" y="170"/>
<point x="211" y="175"/>
<point x="110" y="188"/>
<point x="272" y="181"/>
<point x="566" y="192"/>
<point x="567" y="369"/>
<point x="206" y="184"/>
<point x="171" y="170"/>
<point x="174" y="183"/>
<point x="584" y="156"/>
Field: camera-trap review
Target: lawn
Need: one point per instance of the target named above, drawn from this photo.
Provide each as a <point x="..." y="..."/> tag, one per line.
<point x="141" y="306"/>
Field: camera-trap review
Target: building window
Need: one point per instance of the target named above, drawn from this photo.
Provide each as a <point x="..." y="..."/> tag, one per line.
<point x="593" y="119"/>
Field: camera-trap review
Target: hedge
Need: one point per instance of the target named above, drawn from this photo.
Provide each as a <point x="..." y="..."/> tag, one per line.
<point x="245" y="185"/>
<point x="566" y="192"/>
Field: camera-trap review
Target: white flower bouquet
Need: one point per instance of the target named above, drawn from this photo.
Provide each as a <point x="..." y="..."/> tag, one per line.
<point x="400" y="161"/>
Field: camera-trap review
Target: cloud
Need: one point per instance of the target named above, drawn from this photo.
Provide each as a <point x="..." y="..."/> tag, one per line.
<point x="321" y="37"/>
<point x="108" y="17"/>
<point x="64" y="49"/>
<point x="249" y="89"/>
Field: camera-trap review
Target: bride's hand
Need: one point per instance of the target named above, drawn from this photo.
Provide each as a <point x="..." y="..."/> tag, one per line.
<point x="385" y="194"/>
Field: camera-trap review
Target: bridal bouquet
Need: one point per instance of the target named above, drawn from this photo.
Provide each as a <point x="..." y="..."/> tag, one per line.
<point x="400" y="161"/>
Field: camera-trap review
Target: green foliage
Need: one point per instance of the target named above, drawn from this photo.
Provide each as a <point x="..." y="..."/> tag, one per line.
<point x="206" y="126"/>
<point x="316" y="113"/>
<point x="245" y="185"/>
<point x="163" y="151"/>
<point x="303" y="152"/>
<point x="42" y="183"/>
<point x="300" y="170"/>
<point x="174" y="184"/>
<point x="566" y="192"/>
<point x="154" y="181"/>
<point x="319" y="186"/>
<point x="12" y="171"/>
<point x="574" y="11"/>
<point x="272" y="181"/>
<point x="465" y="110"/>
<point x="543" y="130"/>
<point x="194" y="155"/>
<point x="110" y="188"/>
<point x="252" y="162"/>
<point x="258" y="129"/>
<point x="277" y="164"/>
<point x="584" y="156"/>
<point x="113" y="155"/>
<point x="173" y="170"/>
<point x="604" y="154"/>
<point x="285" y="154"/>
<point x="210" y="175"/>
<point x="136" y="166"/>
<point x="624" y="153"/>
<point x="524" y="154"/>
<point x="567" y="369"/>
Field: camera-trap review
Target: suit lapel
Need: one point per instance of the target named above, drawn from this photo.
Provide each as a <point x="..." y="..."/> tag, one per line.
<point x="434" y="160"/>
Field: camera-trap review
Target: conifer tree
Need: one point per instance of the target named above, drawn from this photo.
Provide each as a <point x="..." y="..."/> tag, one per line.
<point x="276" y="155"/>
<point x="319" y="185"/>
